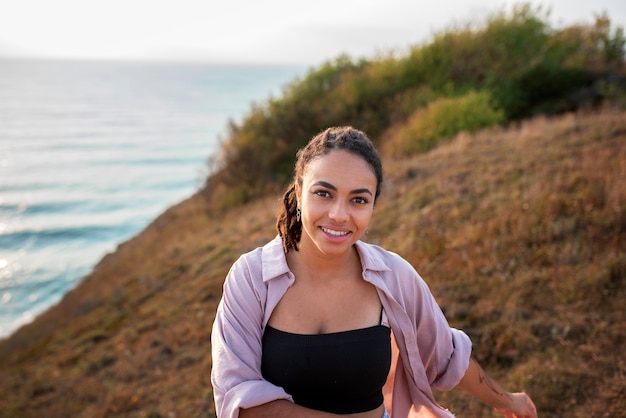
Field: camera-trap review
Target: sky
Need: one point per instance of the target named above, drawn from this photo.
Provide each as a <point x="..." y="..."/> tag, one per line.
<point x="249" y="31"/>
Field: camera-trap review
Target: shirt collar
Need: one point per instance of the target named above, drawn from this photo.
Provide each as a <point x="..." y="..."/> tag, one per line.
<point x="274" y="260"/>
<point x="370" y="257"/>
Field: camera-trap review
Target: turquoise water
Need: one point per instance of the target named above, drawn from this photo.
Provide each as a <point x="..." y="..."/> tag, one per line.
<point x="91" y="152"/>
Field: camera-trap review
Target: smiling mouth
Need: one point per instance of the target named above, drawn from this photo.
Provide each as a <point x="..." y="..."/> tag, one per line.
<point x="335" y="233"/>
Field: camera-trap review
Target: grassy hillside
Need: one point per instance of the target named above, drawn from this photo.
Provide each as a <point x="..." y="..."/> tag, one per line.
<point x="520" y="232"/>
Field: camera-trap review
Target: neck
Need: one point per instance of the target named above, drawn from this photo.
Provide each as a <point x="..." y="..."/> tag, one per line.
<point x="324" y="265"/>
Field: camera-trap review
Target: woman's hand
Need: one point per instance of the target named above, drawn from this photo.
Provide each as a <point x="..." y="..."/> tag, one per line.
<point x="521" y="407"/>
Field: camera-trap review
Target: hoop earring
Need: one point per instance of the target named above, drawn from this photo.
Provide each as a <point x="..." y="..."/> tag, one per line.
<point x="298" y="215"/>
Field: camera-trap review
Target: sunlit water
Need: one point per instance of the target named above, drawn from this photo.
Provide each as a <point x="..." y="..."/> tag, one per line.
<point x="91" y="152"/>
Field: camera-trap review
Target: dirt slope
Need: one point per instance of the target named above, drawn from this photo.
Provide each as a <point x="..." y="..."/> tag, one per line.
<point x="521" y="234"/>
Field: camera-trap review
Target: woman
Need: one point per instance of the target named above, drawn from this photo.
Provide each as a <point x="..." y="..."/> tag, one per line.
<point x="305" y="322"/>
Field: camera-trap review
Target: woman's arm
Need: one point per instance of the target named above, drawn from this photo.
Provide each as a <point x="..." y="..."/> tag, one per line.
<point x="236" y="341"/>
<point x="479" y="384"/>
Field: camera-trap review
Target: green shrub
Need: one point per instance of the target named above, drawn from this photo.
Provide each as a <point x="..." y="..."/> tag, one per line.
<point x="444" y="118"/>
<point x="526" y="66"/>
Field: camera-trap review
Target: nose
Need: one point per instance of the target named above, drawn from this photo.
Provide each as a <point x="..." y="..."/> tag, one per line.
<point x="338" y="212"/>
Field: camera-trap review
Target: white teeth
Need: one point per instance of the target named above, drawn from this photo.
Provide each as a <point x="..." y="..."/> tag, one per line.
<point x="335" y="233"/>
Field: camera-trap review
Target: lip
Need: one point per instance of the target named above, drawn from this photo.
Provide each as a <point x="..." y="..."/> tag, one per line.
<point x="335" y="234"/>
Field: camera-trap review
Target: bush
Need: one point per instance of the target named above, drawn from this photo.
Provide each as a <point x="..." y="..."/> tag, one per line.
<point x="444" y="118"/>
<point x="527" y="67"/>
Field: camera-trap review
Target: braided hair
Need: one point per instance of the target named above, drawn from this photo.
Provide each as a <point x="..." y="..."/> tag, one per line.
<point x="341" y="138"/>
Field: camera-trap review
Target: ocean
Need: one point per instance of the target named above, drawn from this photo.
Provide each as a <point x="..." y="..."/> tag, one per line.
<point x="91" y="152"/>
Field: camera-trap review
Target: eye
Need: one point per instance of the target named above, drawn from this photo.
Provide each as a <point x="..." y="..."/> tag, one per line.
<point x="361" y="200"/>
<point x="322" y="193"/>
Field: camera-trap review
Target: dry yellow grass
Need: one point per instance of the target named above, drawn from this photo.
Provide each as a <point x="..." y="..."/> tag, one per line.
<point x="520" y="232"/>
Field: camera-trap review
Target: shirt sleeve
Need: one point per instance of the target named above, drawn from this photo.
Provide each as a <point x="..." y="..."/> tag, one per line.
<point x="445" y="352"/>
<point x="457" y="363"/>
<point x="236" y="344"/>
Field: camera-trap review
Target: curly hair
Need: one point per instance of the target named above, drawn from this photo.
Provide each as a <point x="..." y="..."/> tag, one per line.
<point x="341" y="138"/>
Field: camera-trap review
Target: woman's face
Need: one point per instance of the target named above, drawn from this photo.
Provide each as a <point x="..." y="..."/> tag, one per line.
<point x="336" y="201"/>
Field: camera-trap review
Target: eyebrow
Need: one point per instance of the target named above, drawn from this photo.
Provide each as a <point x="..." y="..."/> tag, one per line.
<point x="330" y="186"/>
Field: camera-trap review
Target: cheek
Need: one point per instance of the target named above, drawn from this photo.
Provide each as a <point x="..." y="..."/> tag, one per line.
<point x="364" y="217"/>
<point x="311" y="209"/>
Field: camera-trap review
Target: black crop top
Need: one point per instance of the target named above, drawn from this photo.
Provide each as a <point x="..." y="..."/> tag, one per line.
<point x="341" y="372"/>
